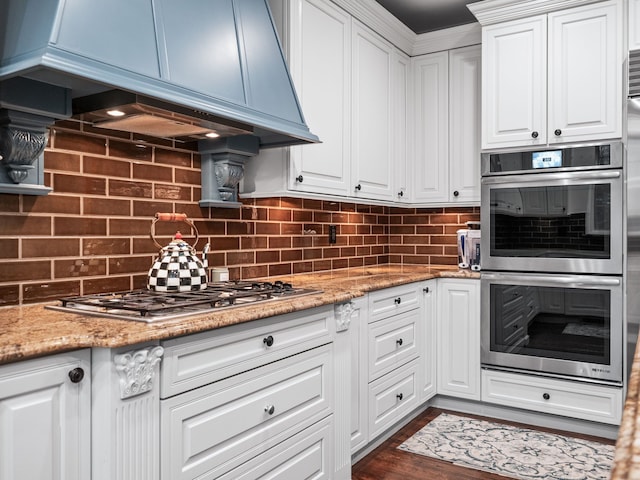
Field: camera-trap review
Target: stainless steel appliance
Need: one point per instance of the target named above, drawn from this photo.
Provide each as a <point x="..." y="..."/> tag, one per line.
<point x="557" y="210"/>
<point x="552" y="290"/>
<point x="553" y="324"/>
<point x="148" y="306"/>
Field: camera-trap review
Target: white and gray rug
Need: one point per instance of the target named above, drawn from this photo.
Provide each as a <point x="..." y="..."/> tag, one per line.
<point x="511" y="451"/>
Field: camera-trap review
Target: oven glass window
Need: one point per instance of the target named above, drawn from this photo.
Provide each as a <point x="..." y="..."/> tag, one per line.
<point x="551" y="322"/>
<point x="568" y="221"/>
<point x="548" y="160"/>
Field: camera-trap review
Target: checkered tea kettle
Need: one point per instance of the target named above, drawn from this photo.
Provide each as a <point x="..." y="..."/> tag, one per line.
<point x="177" y="269"/>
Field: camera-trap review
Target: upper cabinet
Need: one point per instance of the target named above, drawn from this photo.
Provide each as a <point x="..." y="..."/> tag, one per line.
<point x="446" y="165"/>
<point x="634" y="24"/>
<point x="552" y="78"/>
<point x="353" y="89"/>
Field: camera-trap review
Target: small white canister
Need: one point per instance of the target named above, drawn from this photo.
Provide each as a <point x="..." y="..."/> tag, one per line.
<point x="220" y="274"/>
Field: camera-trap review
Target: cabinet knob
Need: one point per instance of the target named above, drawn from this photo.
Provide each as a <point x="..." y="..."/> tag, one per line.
<point x="399" y="396"/>
<point x="546" y="396"/>
<point x="76" y="375"/>
<point x="399" y="342"/>
<point x="515" y="327"/>
<point x="398" y="300"/>
<point x="268" y="341"/>
<point x="456" y="193"/>
<point x="534" y="134"/>
<point x="299" y="179"/>
<point x="401" y="193"/>
<point x="270" y="409"/>
<point x="358" y="187"/>
<point x="425" y="289"/>
<point x="557" y="132"/>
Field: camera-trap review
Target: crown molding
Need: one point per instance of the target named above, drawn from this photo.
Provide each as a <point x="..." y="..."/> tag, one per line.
<point x="489" y="12"/>
<point x="377" y="18"/>
<point x="448" y="38"/>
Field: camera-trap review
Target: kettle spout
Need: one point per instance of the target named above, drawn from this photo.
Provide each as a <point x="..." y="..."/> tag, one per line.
<point x="205" y="250"/>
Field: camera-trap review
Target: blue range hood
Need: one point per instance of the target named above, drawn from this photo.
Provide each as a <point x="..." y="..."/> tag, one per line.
<point x="217" y="61"/>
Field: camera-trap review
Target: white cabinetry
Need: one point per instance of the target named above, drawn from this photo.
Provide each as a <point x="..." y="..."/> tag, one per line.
<point x="352" y="85"/>
<point x="597" y="403"/>
<point x="458" y="338"/>
<point x="45" y="418"/>
<point x="427" y="341"/>
<point x="634" y="24"/>
<point x="233" y="401"/>
<point x="359" y="377"/>
<point x="553" y="78"/>
<point x="393" y="353"/>
<point x="446" y="164"/>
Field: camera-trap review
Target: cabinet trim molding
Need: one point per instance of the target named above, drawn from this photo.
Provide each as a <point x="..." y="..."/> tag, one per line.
<point x="343" y="314"/>
<point x="137" y="369"/>
<point x="489" y="12"/>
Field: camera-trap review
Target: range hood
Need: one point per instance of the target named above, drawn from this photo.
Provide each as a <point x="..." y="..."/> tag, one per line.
<point x="181" y="68"/>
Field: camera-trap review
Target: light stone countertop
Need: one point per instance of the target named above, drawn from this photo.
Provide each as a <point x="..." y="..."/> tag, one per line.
<point x="32" y="331"/>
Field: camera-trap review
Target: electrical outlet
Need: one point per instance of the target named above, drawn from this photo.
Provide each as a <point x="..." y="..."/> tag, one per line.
<point x="332" y="234"/>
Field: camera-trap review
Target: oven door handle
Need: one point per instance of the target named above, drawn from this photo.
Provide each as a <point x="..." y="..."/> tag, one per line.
<point x="544" y="176"/>
<point x="545" y="280"/>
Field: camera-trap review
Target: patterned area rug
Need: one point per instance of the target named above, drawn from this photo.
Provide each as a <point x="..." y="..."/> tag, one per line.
<point x="511" y="451"/>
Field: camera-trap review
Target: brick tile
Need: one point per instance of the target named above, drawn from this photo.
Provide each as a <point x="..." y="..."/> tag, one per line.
<point x="171" y="192"/>
<point x="268" y="256"/>
<point x="280" y="269"/>
<point x="79" y="184"/>
<point x="133" y="151"/>
<point x="249" y="228"/>
<point x="41" y="292"/>
<point x="255" y="271"/>
<point x="20" y="225"/>
<point x="263" y="228"/>
<point x="240" y="258"/>
<point x="303" y="267"/>
<point x="436" y="260"/>
<point x="79" y="226"/>
<point x="8" y="248"/>
<point x="25" y="270"/>
<point x="106" y="206"/>
<point x="339" y="263"/>
<point x="50" y="247"/>
<point x="51" y="203"/>
<point x="68" y="162"/>
<point x="9" y="295"/>
<point x="106" y="284"/>
<point x="279" y="214"/>
<point x="254" y="213"/>
<point x="129" y="226"/>
<point x="81" y="267"/>
<point x="291" y="255"/>
<point x="253" y="243"/>
<point x="191" y="177"/>
<point x="174" y="158"/>
<point x="65" y="140"/>
<point x="123" y="188"/>
<point x="144" y="171"/>
<point x="108" y="246"/>
<point x="129" y="264"/>
<point x="280" y="242"/>
<point x="9" y="203"/>
<point x="106" y="166"/>
<point x="291" y="202"/>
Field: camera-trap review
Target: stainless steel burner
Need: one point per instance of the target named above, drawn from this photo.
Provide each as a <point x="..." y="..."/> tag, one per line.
<point x="149" y="306"/>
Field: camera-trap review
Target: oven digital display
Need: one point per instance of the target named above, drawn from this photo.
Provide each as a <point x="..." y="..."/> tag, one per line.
<point x="549" y="159"/>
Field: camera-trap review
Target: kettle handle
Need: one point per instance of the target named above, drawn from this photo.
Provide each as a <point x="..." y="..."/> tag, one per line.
<point x="172" y="217"/>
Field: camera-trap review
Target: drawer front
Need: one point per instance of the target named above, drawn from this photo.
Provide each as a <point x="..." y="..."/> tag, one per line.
<point x="391" y="397"/>
<point x="221" y="426"/>
<point x="196" y="360"/>
<point x="394" y="300"/>
<point x="308" y="454"/>
<point x="598" y="403"/>
<point x="392" y="342"/>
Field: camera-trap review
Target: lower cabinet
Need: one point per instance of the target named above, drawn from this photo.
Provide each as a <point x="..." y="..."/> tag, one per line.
<point x="458" y="338"/>
<point x="597" y="403"/>
<point x="45" y="418"/>
<point x="359" y="376"/>
<point x="253" y="400"/>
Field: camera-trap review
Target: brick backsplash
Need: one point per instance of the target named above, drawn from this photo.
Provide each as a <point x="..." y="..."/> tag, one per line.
<point x="91" y="234"/>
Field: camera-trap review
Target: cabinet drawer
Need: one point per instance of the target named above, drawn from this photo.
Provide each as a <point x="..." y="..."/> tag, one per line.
<point x="308" y="454"/>
<point x="391" y="301"/>
<point x="196" y="360"/>
<point x="392" y="396"/>
<point x="392" y="342"/>
<point x="211" y="430"/>
<point x="598" y="403"/>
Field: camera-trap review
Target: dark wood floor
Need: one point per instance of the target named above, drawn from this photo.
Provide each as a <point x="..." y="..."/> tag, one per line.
<point x="388" y="463"/>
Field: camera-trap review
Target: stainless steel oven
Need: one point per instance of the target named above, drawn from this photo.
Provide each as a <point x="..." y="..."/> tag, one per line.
<point x="555" y="210"/>
<point x="552" y="262"/>
<point x="566" y="325"/>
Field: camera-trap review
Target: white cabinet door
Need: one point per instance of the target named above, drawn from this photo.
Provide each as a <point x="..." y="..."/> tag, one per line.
<point x="427" y="341"/>
<point x="320" y="63"/>
<point x="431" y="117"/>
<point x="359" y="375"/>
<point x="458" y="338"/>
<point x="585" y="73"/>
<point x="464" y="124"/>
<point x="401" y="125"/>
<point x="372" y="175"/>
<point x="45" y="419"/>
<point x="514" y="78"/>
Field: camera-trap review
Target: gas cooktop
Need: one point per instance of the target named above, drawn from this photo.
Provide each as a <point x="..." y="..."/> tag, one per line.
<point x="148" y="306"/>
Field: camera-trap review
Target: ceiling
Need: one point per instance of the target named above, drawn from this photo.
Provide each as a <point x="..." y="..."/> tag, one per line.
<point x="423" y="16"/>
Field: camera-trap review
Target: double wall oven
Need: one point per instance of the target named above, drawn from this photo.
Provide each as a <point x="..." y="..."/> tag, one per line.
<point x="552" y="261"/>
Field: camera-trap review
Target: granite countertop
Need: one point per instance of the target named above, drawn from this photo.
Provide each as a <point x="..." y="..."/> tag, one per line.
<point x="31" y="331"/>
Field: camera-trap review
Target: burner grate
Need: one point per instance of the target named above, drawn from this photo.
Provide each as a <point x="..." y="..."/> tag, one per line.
<point x="148" y="305"/>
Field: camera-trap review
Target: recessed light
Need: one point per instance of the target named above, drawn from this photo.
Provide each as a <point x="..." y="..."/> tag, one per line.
<point x="212" y="135"/>
<point x="115" y="113"/>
